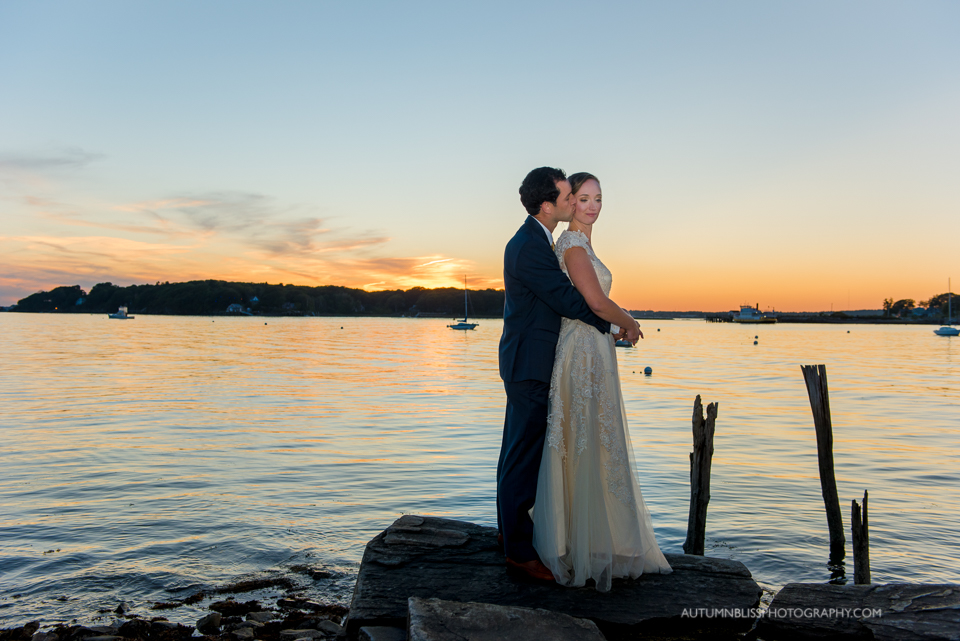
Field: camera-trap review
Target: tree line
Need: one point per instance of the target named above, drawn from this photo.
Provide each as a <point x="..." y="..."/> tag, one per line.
<point x="936" y="306"/>
<point x="213" y="297"/>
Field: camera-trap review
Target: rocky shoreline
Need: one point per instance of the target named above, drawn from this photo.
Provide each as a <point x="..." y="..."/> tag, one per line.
<point x="431" y="579"/>
<point x="288" y="619"/>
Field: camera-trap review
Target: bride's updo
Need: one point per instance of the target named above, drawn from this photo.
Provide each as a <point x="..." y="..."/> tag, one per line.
<point x="577" y="180"/>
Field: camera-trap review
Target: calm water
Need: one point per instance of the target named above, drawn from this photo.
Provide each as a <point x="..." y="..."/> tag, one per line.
<point x="145" y="459"/>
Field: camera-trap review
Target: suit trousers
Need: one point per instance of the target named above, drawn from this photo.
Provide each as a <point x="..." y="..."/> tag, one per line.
<point x="524" y="432"/>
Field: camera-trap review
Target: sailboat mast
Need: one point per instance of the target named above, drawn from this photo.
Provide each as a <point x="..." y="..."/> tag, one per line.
<point x="465" y="299"/>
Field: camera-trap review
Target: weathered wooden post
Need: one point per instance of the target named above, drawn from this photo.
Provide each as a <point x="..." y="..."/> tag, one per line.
<point x="861" y="542"/>
<point x="815" y="377"/>
<point x="700" y="459"/>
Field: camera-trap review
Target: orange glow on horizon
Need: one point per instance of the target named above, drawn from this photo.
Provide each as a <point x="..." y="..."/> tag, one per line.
<point x="648" y="282"/>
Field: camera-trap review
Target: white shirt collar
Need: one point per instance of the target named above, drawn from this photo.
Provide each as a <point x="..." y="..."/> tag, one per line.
<point x="547" y="232"/>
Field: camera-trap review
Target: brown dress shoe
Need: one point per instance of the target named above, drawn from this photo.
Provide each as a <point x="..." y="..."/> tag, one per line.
<point x="534" y="569"/>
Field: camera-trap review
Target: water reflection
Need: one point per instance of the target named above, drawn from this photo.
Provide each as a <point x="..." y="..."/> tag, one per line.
<point x="168" y="452"/>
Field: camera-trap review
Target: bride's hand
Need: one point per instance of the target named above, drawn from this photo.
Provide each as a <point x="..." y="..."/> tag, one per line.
<point x="639" y="331"/>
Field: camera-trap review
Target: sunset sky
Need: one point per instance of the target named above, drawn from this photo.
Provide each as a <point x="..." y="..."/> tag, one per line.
<point x="797" y="155"/>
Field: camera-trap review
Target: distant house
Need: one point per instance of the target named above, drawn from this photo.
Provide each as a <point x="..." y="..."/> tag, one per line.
<point x="80" y="301"/>
<point x="920" y="312"/>
<point x="254" y="301"/>
<point x="235" y="308"/>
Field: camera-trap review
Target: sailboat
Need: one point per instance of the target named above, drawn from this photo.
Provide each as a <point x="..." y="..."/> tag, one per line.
<point x="948" y="329"/>
<point x="464" y="324"/>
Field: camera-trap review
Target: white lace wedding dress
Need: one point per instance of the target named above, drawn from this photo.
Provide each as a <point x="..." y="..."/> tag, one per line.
<point x="589" y="518"/>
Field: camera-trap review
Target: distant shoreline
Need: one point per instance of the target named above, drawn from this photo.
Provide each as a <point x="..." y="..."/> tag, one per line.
<point x="792" y="318"/>
<point x="226" y="298"/>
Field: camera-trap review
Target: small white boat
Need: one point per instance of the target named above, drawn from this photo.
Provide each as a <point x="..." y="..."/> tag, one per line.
<point x="464" y="324"/>
<point x="122" y="314"/>
<point x="753" y="315"/>
<point x="948" y="329"/>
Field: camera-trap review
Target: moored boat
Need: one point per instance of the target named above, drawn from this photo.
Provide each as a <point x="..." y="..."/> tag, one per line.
<point x="750" y="314"/>
<point x="465" y="323"/>
<point x="121" y="314"/>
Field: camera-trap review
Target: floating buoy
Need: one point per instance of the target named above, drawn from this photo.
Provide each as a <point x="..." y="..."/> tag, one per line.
<point x="648" y="370"/>
<point x="756" y="337"/>
<point x="264" y="323"/>
<point x="754" y="342"/>
<point x="658" y="329"/>
<point x="848" y="331"/>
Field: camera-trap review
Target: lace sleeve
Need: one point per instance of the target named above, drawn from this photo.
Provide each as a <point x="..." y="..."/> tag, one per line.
<point x="567" y="240"/>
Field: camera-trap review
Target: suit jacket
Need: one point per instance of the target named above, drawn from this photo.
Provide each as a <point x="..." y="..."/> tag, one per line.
<point x="538" y="294"/>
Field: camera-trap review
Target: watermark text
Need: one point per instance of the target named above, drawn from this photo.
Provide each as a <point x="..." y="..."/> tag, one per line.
<point x="782" y="613"/>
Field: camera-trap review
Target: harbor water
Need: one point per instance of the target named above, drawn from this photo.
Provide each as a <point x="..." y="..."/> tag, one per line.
<point x="146" y="460"/>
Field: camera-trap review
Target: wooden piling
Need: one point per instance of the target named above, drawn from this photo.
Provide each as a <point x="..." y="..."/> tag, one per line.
<point x="861" y="542"/>
<point x="815" y="377"/>
<point x="700" y="460"/>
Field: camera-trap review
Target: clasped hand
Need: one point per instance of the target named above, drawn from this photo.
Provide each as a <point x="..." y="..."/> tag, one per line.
<point x="631" y="333"/>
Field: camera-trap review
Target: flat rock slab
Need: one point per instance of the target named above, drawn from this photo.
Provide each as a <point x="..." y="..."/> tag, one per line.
<point x="890" y="612"/>
<point x="428" y="558"/>
<point x="382" y="633"/>
<point x="438" y="620"/>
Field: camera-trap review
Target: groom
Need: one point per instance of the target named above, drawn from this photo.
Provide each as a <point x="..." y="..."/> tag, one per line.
<point x="538" y="294"/>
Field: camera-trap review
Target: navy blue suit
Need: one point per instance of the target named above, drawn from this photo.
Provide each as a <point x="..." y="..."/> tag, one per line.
<point x="538" y="295"/>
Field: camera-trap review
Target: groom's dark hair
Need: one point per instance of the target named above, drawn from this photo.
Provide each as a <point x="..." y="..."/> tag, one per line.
<point x="540" y="186"/>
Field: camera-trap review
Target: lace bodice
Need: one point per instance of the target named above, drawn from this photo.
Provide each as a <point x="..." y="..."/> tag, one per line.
<point x="570" y="239"/>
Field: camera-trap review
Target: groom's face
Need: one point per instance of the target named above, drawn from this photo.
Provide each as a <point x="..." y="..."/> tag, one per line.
<point x="566" y="205"/>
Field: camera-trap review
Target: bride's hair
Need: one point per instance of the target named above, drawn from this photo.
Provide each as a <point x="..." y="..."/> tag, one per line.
<point x="577" y="180"/>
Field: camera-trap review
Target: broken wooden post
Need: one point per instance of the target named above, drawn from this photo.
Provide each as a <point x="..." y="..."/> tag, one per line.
<point x="861" y="543"/>
<point x="700" y="459"/>
<point x="815" y="377"/>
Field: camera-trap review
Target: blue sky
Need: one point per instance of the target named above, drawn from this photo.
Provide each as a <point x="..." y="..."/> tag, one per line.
<point x="799" y="155"/>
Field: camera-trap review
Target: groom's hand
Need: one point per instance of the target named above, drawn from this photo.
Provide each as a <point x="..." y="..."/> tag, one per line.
<point x="622" y="334"/>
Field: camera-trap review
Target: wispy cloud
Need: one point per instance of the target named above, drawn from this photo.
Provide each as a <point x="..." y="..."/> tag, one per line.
<point x="257" y="221"/>
<point x="230" y="235"/>
<point x="69" y="158"/>
<point x="434" y="262"/>
<point x="216" y="212"/>
<point x="67" y="215"/>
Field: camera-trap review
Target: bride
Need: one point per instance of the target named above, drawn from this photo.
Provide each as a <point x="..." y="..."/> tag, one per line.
<point x="589" y="518"/>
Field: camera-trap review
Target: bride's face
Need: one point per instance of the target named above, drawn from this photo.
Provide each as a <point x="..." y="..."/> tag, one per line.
<point x="589" y="201"/>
